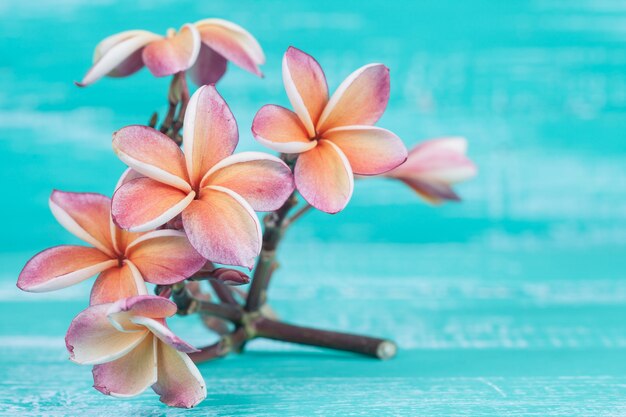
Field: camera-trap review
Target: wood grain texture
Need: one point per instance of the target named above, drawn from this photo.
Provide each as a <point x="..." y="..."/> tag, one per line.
<point x="510" y="304"/>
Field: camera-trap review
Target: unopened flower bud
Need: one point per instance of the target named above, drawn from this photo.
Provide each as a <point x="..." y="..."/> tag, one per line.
<point x="230" y="276"/>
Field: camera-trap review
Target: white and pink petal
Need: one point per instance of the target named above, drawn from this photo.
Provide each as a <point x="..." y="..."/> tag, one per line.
<point x="118" y="55"/>
<point x="281" y="130"/>
<point x="173" y="54"/>
<point x="144" y="204"/>
<point x="159" y="328"/>
<point x="233" y="43"/>
<point x="324" y="177"/>
<point x="371" y="150"/>
<point x="361" y="99"/>
<point x="223" y="227"/>
<point x="210" y="133"/>
<point x="164" y="256"/>
<point x="152" y="154"/>
<point x="263" y="180"/>
<point x="179" y="383"/>
<point x="92" y="339"/>
<point x="117" y="283"/>
<point x="121" y="313"/>
<point x="62" y="266"/>
<point x="209" y="67"/>
<point x="130" y="374"/>
<point x="86" y="215"/>
<point x="306" y="87"/>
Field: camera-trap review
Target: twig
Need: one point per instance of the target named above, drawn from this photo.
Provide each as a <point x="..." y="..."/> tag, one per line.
<point x="229" y="343"/>
<point x="223" y="292"/>
<point x="299" y="213"/>
<point x="178" y="98"/>
<point x="266" y="263"/>
<point x="365" y="345"/>
<point x="222" y="310"/>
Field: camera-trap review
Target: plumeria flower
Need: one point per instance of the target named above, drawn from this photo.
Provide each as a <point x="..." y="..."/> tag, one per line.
<point x="334" y="137"/>
<point x="202" y="48"/>
<point x="434" y="166"/>
<point x="132" y="349"/>
<point x="122" y="259"/>
<point x="216" y="192"/>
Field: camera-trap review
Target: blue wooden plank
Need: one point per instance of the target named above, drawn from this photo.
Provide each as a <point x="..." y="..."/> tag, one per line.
<point x="509" y="304"/>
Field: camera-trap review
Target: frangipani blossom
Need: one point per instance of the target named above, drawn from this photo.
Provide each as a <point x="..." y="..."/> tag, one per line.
<point x="203" y="48"/>
<point x="122" y="259"/>
<point x="132" y="349"/>
<point x="434" y="166"/>
<point x="334" y="137"/>
<point x="216" y="192"/>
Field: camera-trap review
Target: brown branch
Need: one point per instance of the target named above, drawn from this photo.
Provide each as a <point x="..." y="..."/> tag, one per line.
<point x="225" y="311"/>
<point x="188" y="304"/>
<point x="223" y="292"/>
<point x="178" y="98"/>
<point x="299" y="213"/>
<point x="365" y="345"/>
<point x="266" y="263"/>
<point x="230" y="343"/>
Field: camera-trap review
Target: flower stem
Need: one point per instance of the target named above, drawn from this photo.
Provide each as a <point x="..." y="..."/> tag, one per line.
<point x="299" y="213"/>
<point x="223" y="292"/>
<point x="178" y="98"/>
<point x="228" y="344"/>
<point x="365" y="345"/>
<point x="266" y="263"/>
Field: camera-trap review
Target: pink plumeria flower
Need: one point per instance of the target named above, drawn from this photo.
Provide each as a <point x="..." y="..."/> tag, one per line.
<point x="202" y="48"/>
<point x="132" y="349"/>
<point x="216" y="192"/>
<point x="122" y="259"/>
<point x="434" y="166"/>
<point x="334" y="137"/>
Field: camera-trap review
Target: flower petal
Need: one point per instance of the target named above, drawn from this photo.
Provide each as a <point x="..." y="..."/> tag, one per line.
<point x="371" y="150"/>
<point x="431" y="191"/>
<point x="62" y="266"/>
<point x="121" y="237"/>
<point x="210" y="133"/>
<point x="223" y="227"/>
<point x="144" y="204"/>
<point x="262" y="180"/>
<point x="280" y="129"/>
<point x="438" y="160"/>
<point x="180" y="383"/>
<point x="131" y="374"/>
<point x="306" y="87"/>
<point x="153" y="154"/>
<point x="92" y="339"/>
<point x="324" y="177"/>
<point x="159" y="328"/>
<point x="209" y="67"/>
<point x="171" y="55"/>
<point x="164" y="256"/>
<point x="86" y="215"/>
<point x="232" y="42"/>
<point x="127" y="176"/>
<point x="360" y="100"/>
<point x="117" y="283"/>
<point x="121" y="313"/>
<point x="118" y="55"/>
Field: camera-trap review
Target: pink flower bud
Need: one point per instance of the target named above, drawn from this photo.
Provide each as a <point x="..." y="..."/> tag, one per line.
<point x="434" y="166"/>
<point x="230" y="276"/>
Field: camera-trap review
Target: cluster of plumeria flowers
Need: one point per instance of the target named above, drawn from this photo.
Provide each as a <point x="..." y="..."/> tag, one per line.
<point x="174" y="211"/>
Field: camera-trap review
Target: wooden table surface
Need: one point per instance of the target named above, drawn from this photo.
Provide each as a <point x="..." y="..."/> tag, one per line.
<point x="512" y="303"/>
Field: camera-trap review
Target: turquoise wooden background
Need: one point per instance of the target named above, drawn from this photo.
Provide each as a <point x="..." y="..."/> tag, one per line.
<point x="512" y="303"/>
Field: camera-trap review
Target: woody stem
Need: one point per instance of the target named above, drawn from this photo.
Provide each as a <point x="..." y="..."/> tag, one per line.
<point x="266" y="263"/>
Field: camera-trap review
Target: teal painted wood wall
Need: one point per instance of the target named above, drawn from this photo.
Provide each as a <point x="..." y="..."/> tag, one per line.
<point x="512" y="303"/>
